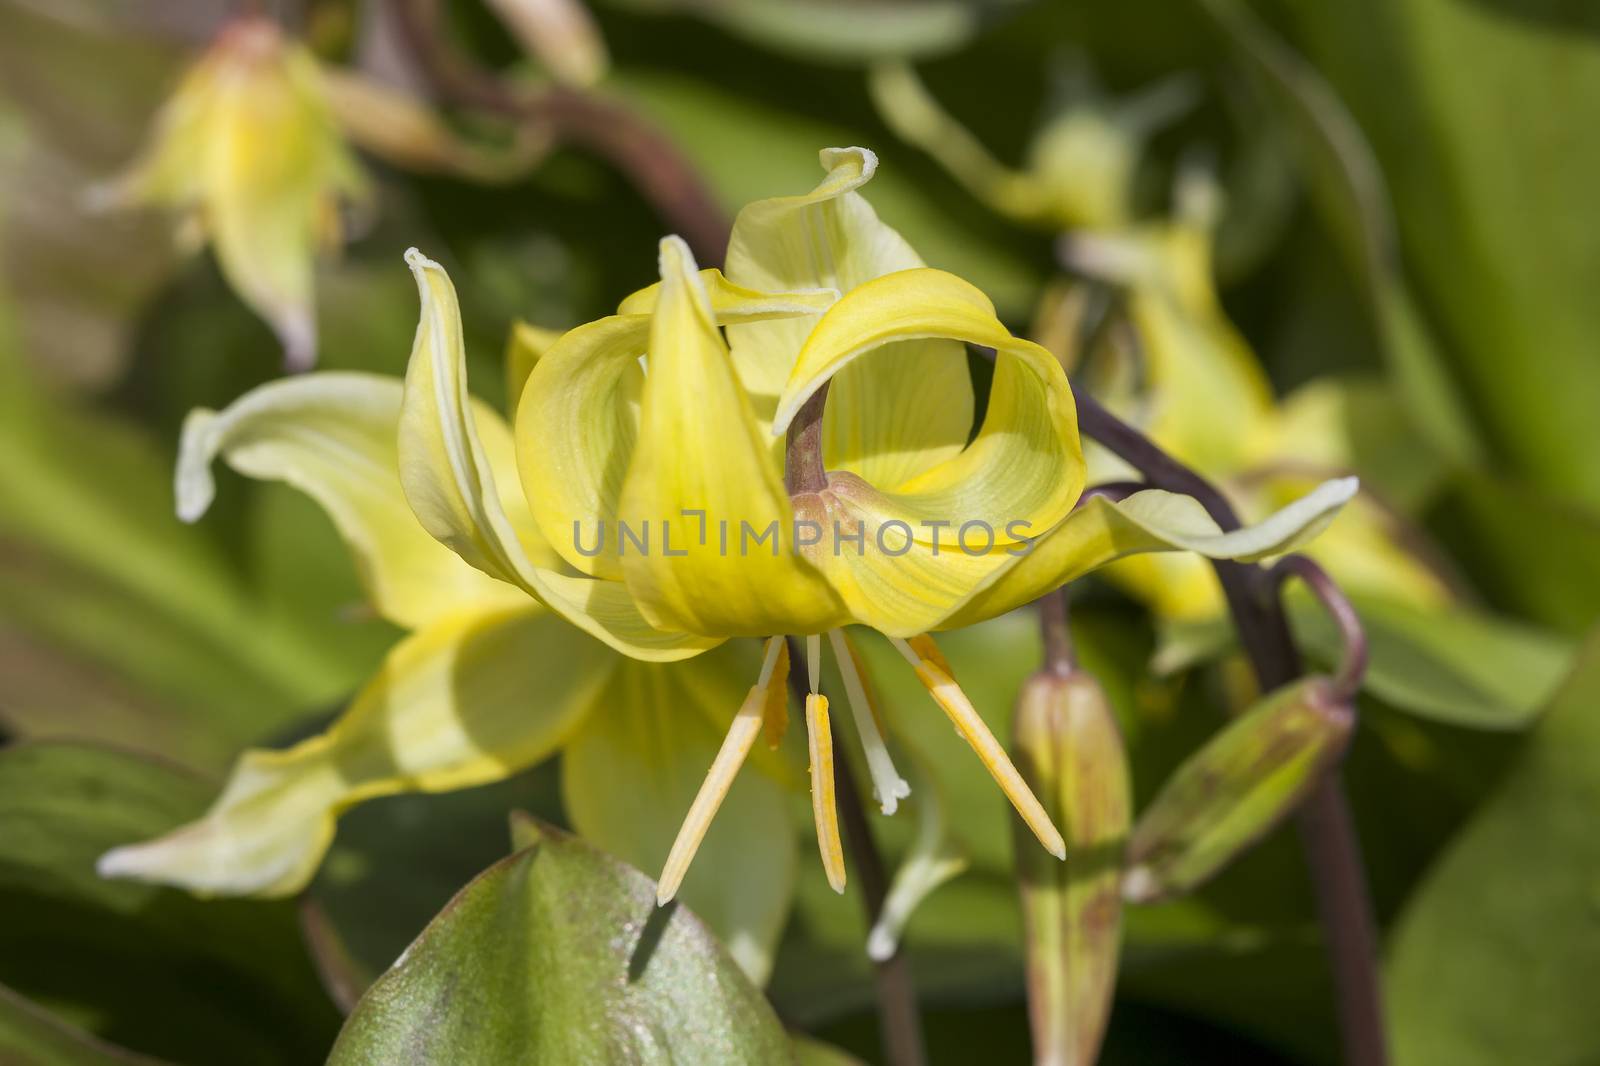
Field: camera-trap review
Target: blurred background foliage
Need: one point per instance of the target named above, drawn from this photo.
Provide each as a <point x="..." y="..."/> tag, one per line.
<point x="1410" y="208"/>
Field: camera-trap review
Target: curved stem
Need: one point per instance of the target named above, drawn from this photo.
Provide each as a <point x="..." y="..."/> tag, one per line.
<point x="1055" y="626"/>
<point x="1353" y="667"/>
<point x="897" y="996"/>
<point x="802" y="458"/>
<point x="608" y="128"/>
<point x="1327" y="831"/>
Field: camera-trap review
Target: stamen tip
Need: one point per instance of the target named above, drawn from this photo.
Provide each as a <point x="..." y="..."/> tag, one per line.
<point x="880" y="943"/>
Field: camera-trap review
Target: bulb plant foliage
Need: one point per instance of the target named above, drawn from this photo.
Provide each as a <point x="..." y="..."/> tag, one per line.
<point x="644" y="516"/>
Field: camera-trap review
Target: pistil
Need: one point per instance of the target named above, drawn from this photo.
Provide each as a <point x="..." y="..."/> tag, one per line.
<point x="887" y="783"/>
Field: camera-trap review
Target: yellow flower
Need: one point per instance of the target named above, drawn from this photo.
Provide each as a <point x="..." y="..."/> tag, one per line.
<point x="1081" y="165"/>
<point x="649" y="421"/>
<point x="651" y="453"/>
<point x="249" y="151"/>
<point x="487" y="682"/>
<point x="1200" y="393"/>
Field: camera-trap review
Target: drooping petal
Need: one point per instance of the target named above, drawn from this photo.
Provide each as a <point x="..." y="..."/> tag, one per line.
<point x="332" y="436"/>
<point x="471" y="699"/>
<point x="920" y="550"/>
<point x="1148" y="521"/>
<point x="525" y="347"/>
<point x="635" y="768"/>
<point x="576" y="427"/>
<point x="450" y="480"/>
<point x="700" y="477"/>
<point x="735" y="305"/>
<point x="1195" y="363"/>
<point x="275" y="163"/>
<point x="886" y="420"/>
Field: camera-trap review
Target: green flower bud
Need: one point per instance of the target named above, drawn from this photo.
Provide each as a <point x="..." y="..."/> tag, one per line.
<point x="1236" y="789"/>
<point x="1069" y="750"/>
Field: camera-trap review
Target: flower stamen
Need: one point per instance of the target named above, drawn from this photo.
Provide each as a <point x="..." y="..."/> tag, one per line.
<point x="887" y="783"/>
<point x="823" y="807"/>
<point x="747" y="724"/>
<point x="948" y="695"/>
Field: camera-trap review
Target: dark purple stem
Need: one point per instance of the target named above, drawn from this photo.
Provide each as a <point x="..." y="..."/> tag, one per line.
<point x="1353" y="667"/>
<point x="1327" y="831"/>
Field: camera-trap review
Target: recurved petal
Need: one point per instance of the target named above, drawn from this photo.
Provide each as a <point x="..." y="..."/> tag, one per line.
<point x="525" y="347"/>
<point x="454" y="478"/>
<point x="471" y="699"/>
<point x="576" y="427"/>
<point x="733" y="305"/>
<point x="925" y="547"/>
<point x="633" y="770"/>
<point x="1149" y="521"/>
<point x="888" y="420"/>
<point x="700" y="476"/>
<point x="332" y="436"/>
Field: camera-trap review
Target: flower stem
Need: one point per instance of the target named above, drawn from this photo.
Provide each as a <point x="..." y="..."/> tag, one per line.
<point x="897" y="996"/>
<point x="606" y="127"/>
<point x="1055" y="626"/>
<point x="1327" y="831"/>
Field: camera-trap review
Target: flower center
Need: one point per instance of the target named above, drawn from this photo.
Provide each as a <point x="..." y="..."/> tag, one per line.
<point x="803" y="472"/>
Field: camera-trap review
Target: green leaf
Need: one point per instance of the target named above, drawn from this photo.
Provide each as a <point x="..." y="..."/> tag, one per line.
<point x="809" y="1052"/>
<point x="397" y="860"/>
<point x="559" y="954"/>
<point x="1534" y="554"/>
<point x="1494" y="959"/>
<point x="95" y="567"/>
<point x="1348" y="188"/>
<point x="1479" y="115"/>
<point x="32" y="1037"/>
<point x="149" y="968"/>
<point x="845" y="29"/>
<point x="1457" y="666"/>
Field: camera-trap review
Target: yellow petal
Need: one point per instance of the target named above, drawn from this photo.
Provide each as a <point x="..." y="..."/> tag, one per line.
<point x="450" y="709"/>
<point x="925" y="547"/>
<point x="576" y="427"/>
<point x="249" y="141"/>
<point x="733" y="305"/>
<point x="700" y="474"/>
<point x="451" y="483"/>
<point x="636" y="767"/>
<point x="332" y="436"/>
<point x="775" y="715"/>
<point x="1194" y="361"/>
<point x="1148" y="521"/>
<point x="527" y="345"/>
<point x="886" y="420"/>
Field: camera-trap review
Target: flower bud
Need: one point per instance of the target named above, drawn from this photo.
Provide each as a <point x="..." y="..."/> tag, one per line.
<point x="561" y="34"/>
<point x="1069" y="750"/>
<point x="248" y="149"/>
<point x="1236" y="789"/>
